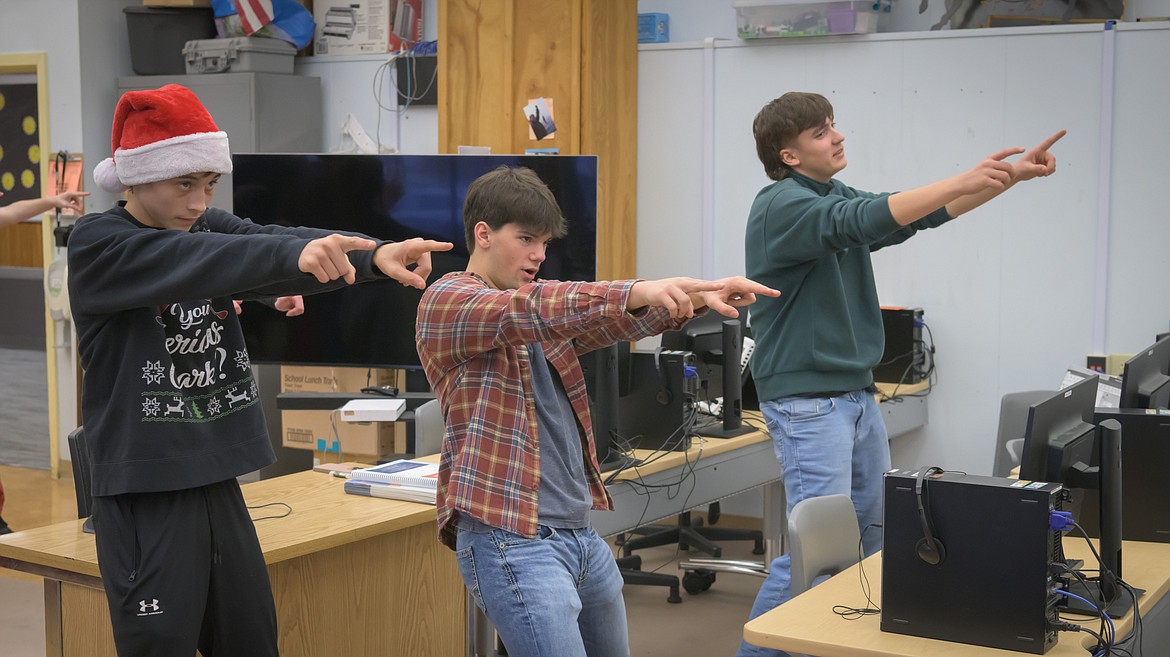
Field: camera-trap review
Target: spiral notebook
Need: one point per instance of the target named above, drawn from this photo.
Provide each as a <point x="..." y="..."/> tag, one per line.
<point x="390" y="491"/>
<point x="403" y="471"/>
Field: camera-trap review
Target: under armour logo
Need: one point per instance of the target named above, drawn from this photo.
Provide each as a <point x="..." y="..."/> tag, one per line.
<point x="145" y="606"/>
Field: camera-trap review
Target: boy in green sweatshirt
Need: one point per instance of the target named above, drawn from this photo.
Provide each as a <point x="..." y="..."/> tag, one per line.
<point x="810" y="236"/>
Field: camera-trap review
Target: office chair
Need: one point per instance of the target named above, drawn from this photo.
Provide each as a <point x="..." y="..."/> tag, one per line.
<point x="692" y="533"/>
<point x="79" y="457"/>
<point x="700" y="574"/>
<point x="428" y="428"/>
<point x="825" y="539"/>
<point x="1013" y="422"/>
<point x="630" y="566"/>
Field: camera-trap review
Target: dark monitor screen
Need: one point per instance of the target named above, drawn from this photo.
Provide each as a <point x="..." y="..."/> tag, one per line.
<point x="391" y="197"/>
<point x="1145" y="382"/>
<point x="1060" y="435"/>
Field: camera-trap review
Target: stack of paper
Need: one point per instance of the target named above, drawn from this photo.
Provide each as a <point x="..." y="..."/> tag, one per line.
<point x="412" y="481"/>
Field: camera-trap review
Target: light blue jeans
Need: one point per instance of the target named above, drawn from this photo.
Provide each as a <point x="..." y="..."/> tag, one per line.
<point x="557" y="595"/>
<point x="825" y="446"/>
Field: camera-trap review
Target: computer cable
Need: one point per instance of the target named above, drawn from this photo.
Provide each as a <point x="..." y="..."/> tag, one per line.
<point x="286" y="514"/>
<point x="1107" y="632"/>
<point x="644" y="489"/>
<point x="668" y="447"/>
<point x="694" y="481"/>
<point x="854" y="613"/>
<point x="1104" y="639"/>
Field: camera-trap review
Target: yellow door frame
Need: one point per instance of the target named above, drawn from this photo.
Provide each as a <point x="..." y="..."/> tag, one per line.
<point x="38" y="63"/>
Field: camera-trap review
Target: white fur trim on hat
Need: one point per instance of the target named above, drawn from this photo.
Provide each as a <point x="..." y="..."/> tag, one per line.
<point x="105" y="174"/>
<point x="171" y="158"/>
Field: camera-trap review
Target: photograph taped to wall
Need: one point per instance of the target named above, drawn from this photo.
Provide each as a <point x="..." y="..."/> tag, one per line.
<point x="20" y="151"/>
<point x="539" y="113"/>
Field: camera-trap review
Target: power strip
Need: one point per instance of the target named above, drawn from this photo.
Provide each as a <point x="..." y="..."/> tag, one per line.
<point x="749" y="345"/>
<point x="715" y="406"/>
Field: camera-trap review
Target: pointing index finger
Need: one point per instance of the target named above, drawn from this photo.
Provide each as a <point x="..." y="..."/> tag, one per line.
<point x="1007" y="152"/>
<point x="1047" y="143"/>
<point x="354" y="243"/>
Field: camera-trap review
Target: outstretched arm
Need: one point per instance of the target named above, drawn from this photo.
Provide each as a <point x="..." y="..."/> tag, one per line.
<point x="971" y="189"/>
<point x="1036" y="163"/>
<point x="21" y="210"/>
<point x="675" y="300"/>
<point x="683" y="296"/>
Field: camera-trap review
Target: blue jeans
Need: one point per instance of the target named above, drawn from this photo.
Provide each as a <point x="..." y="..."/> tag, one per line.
<point x="825" y="446"/>
<point x="557" y="595"/>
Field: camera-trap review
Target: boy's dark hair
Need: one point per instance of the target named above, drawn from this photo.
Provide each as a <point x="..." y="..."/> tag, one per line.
<point x="511" y="195"/>
<point x="781" y="121"/>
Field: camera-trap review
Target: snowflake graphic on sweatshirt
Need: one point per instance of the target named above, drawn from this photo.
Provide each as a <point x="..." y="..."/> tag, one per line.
<point x="151" y="407"/>
<point x="153" y="372"/>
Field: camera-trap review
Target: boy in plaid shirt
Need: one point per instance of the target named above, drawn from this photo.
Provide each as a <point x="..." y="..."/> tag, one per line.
<point x="518" y="473"/>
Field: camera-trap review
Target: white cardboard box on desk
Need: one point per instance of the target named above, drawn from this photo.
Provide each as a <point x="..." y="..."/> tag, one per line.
<point x="239" y="55"/>
<point x="373" y="410"/>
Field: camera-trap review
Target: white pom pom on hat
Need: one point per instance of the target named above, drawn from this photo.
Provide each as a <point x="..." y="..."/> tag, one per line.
<point x="160" y="134"/>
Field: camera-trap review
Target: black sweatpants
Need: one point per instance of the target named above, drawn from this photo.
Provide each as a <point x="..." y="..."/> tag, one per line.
<point x="183" y="570"/>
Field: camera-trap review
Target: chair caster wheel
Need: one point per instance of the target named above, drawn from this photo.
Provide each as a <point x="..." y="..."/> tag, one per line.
<point x="698" y="581"/>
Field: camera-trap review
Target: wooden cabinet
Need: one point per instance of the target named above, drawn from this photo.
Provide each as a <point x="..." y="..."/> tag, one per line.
<point x="20" y="245"/>
<point x="494" y="57"/>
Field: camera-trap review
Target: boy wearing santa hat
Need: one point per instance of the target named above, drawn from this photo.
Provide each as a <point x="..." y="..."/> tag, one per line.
<point x="171" y="411"/>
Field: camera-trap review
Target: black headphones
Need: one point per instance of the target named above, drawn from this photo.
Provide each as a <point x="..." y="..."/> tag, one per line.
<point x="929" y="548"/>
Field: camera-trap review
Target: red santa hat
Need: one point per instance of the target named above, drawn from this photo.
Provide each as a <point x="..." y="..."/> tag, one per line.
<point x="160" y="134"/>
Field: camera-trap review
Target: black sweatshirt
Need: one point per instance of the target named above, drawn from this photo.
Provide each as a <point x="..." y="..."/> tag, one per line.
<point x="168" y="398"/>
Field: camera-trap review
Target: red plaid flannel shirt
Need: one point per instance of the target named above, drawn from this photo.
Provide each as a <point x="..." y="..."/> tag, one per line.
<point x="471" y="340"/>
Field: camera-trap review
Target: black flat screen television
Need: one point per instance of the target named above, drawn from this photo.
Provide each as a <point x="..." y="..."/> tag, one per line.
<point x="390" y="197"/>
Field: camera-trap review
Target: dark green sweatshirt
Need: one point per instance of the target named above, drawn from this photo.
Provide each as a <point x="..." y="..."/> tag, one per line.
<point x="811" y="240"/>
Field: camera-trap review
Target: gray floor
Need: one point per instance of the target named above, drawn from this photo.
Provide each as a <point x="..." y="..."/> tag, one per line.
<point x="705" y="625"/>
<point x="24" y="410"/>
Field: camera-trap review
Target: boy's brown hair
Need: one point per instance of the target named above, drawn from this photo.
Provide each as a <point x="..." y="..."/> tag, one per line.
<point x="781" y="121"/>
<point x="511" y="195"/>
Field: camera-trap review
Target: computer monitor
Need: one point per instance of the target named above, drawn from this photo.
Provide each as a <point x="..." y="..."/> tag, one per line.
<point x="1145" y="382"/>
<point x="1061" y="444"/>
<point x="719" y="343"/>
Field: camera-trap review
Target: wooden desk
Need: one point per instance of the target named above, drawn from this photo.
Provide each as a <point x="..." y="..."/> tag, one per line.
<point x="807" y="623"/>
<point x="350" y="575"/>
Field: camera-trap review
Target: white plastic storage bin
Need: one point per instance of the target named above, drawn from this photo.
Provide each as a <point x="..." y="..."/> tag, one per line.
<point x="757" y="19"/>
<point x="239" y="55"/>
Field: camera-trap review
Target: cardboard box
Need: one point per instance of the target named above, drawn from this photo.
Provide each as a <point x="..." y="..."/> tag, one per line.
<point x="355" y="28"/>
<point x="324" y="431"/>
<point x="350" y="459"/>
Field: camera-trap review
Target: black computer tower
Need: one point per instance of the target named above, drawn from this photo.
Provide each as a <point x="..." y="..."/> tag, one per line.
<point x="904" y="358"/>
<point x="991" y="586"/>
<point x="657" y="408"/>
